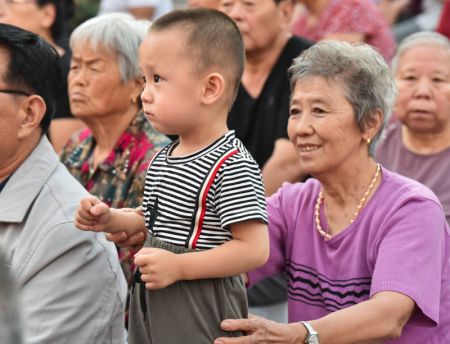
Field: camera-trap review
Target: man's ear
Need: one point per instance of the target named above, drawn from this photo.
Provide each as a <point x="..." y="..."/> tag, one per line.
<point x="286" y="8"/>
<point x="32" y="111"/>
<point x="213" y="88"/>
<point x="372" y="126"/>
<point x="48" y="15"/>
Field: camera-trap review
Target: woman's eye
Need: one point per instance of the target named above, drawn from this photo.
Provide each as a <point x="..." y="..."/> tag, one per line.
<point x="319" y="110"/>
<point x="409" y="78"/>
<point x="294" y="112"/>
<point x="438" y="80"/>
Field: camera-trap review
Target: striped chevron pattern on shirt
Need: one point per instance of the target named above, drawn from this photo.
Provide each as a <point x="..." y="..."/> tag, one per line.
<point x="191" y="201"/>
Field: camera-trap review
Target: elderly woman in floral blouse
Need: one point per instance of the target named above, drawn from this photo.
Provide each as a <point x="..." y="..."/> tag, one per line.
<point x="110" y="157"/>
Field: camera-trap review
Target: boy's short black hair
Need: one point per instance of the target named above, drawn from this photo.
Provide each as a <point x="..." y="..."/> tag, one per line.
<point x="32" y="66"/>
<point x="212" y="40"/>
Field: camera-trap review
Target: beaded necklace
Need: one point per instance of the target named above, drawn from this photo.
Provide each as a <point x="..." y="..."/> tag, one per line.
<point x="363" y="200"/>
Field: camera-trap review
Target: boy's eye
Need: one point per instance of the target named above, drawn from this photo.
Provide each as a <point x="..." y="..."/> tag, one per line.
<point x="156" y="78"/>
<point x="144" y="80"/>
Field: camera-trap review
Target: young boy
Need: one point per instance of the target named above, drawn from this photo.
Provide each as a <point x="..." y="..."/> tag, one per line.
<point x="204" y="204"/>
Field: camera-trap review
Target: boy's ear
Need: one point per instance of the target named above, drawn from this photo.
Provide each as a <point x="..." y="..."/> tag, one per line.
<point x="213" y="89"/>
<point x="32" y="110"/>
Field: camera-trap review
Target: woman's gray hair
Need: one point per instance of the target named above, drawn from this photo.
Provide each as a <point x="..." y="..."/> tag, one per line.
<point x="360" y="69"/>
<point x="119" y="34"/>
<point x="419" y="39"/>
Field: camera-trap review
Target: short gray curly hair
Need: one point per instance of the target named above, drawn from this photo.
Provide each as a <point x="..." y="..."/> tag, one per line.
<point x="360" y="69"/>
<point x="118" y="33"/>
<point x="419" y="39"/>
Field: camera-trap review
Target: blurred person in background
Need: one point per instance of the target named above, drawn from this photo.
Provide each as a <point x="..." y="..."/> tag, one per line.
<point x="426" y="20"/>
<point x="346" y="20"/>
<point x="48" y="18"/>
<point x="444" y="22"/>
<point x="110" y="157"/>
<point x="418" y="144"/>
<point x="204" y="3"/>
<point x="140" y="9"/>
<point x="392" y="9"/>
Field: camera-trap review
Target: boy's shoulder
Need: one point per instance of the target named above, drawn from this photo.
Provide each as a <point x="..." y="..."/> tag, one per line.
<point x="238" y="151"/>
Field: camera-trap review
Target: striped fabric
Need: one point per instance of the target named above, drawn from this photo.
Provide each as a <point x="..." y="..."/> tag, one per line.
<point x="191" y="201"/>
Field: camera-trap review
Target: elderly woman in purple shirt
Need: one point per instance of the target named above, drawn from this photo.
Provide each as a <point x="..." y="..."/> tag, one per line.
<point x="366" y="250"/>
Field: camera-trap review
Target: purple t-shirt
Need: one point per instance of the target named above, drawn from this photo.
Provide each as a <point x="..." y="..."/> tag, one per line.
<point x="431" y="170"/>
<point x="400" y="242"/>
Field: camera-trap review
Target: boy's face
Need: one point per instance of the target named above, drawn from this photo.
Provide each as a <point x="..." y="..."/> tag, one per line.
<point x="172" y="89"/>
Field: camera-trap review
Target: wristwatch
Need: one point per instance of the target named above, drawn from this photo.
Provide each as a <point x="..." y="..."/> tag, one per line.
<point x="312" y="336"/>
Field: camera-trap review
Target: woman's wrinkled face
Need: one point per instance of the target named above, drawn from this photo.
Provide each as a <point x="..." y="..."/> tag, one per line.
<point x="423" y="82"/>
<point x="259" y="21"/>
<point x="94" y="83"/>
<point x="323" y="128"/>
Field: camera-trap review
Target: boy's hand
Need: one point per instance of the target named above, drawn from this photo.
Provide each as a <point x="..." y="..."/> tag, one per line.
<point x="159" y="268"/>
<point x="92" y="215"/>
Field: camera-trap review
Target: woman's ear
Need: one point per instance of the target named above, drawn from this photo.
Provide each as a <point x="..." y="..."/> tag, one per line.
<point x="373" y="124"/>
<point x="32" y="111"/>
<point x="137" y="88"/>
<point x="213" y="88"/>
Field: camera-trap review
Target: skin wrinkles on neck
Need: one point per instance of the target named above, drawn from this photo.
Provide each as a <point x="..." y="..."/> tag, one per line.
<point x="259" y="64"/>
<point x="344" y="188"/>
<point x="106" y="130"/>
<point x="426" y="143"/>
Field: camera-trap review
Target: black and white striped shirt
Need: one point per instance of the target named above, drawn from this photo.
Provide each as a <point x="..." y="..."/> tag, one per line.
<point x="191" y="201"/>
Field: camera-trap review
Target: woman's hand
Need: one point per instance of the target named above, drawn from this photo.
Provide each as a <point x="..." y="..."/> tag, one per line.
<point x="260" y="330"/>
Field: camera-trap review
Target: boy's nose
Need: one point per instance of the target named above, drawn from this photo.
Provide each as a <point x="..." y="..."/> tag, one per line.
<point x="146" y="95"/>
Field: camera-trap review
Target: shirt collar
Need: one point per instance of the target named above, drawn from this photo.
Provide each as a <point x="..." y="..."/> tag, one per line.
<point x="3" y="183"/>
<point x="27" y="181"/>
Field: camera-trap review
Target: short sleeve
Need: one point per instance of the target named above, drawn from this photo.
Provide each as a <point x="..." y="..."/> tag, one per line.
<point x="239" y="192"/>
<point x="411" y="256"/>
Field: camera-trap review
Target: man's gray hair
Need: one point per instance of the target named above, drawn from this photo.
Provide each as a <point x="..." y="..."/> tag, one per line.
<point x="362" y="72"/>
<point x="419" y="39"/>
<point x="119" y="34"/>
